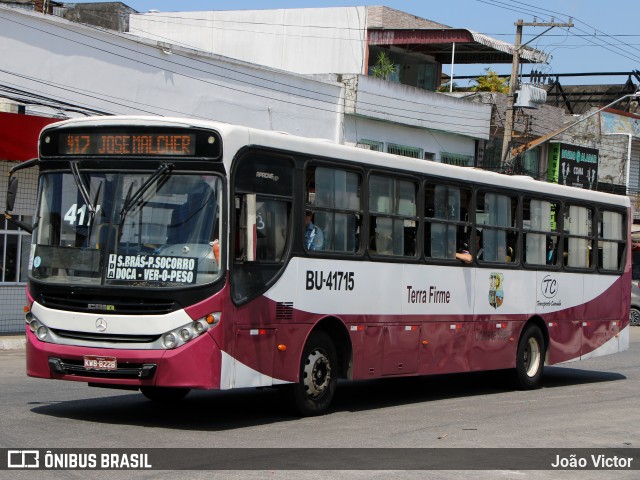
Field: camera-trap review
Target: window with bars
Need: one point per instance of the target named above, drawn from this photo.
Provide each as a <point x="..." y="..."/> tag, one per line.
<point x="456" y="159"/>
<point x="371" y="145"/>
<point x="405" y="151"/>
<point x="14" y="251"/>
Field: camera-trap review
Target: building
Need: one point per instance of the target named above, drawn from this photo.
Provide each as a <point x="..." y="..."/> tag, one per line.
<point x="343" y="40"/>
<point x="18" y="142"/>
<point x="56" y="67"/>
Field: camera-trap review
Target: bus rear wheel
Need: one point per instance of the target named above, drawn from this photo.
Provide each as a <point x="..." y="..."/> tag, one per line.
<point x="530" y="358"/>
<point x="316" y="387"/>
<point x="164" y="394"/>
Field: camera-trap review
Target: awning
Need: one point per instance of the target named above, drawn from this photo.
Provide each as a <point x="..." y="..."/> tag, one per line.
<point x="470" y="47"/>
<point x="533" y="56"/>
<point x="19" y="135"/>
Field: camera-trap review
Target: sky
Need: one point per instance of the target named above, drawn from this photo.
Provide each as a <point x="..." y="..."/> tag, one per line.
<point x="605" y="36"/>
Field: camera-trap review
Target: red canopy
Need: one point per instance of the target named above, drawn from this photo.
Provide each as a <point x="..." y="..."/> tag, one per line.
<point x="19" y="135"/>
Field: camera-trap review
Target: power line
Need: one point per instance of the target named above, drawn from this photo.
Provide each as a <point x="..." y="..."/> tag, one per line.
<point x="537" y="11"/>
<point x="363" y="110"/>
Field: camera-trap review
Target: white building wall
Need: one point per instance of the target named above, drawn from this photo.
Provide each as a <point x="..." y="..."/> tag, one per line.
<point x="300" y="40"/>
<point x="430" y="141"/>
<point x="122" y="74"/>
<point x="416" y="107"/>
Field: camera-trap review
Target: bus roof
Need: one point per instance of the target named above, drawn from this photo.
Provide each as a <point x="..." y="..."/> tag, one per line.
<point x="325" y="148"/>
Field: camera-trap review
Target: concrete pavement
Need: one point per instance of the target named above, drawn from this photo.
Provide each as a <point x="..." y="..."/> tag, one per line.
<point x="12" y="342"/>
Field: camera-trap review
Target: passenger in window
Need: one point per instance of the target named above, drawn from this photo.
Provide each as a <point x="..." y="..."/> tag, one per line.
<point x="509" y="256"/>
<point x="463" y="253"/>
<point x="551" y="252"/>
<point x="384" y="244"/>
<point x="313" y="236"/>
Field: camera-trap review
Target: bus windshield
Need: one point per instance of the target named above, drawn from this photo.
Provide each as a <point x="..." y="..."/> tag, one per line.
<point x="150" y="229"/>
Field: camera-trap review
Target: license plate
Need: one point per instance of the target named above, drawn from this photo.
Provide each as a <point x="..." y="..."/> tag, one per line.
<point x="93" y="362"/>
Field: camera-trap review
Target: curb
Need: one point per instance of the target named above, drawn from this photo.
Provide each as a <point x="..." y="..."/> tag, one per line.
<point x="12" y="343"/>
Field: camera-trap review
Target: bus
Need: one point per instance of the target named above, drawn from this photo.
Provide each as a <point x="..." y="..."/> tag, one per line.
<point x="175" y="254"/>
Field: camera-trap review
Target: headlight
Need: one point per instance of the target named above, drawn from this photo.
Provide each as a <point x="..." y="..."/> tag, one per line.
<point x="199" y="327"/>
<point x="170" y="340"/>
<point x="42" y="332"/>
<point x="185" y="335"/>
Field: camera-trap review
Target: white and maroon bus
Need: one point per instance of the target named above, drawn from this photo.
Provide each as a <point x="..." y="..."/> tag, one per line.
<point x="171" y="254"/>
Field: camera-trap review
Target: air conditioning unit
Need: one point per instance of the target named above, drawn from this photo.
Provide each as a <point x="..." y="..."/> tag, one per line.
<point x="530" y="96"/>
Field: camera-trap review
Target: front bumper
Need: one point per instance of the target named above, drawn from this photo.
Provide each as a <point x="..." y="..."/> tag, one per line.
<point x="196" y="364"/>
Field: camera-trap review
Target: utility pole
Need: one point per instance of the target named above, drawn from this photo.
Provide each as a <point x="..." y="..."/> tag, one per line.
<point x="513" y="82"/>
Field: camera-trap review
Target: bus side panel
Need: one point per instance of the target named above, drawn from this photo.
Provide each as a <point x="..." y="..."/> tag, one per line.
<point x="286" y="363"/>
<point x="253" y="341"/>
<point x="560" y="302"/>
<point x="400" y="349"/>
<point x="368" y="358"/>
<point x="599" y="337"/>
<point x="604" y="317"/>
<point x="451" y="342"/>
<point x="495" y="343"/>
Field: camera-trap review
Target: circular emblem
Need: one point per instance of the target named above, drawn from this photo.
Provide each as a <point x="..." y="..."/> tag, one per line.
<point x="101" y="324"/>
<point x="549" y="286"/>
<point x="36" y="262"/>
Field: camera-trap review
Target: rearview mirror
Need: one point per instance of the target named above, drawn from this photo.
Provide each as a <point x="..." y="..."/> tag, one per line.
<point x="12" y="190"/>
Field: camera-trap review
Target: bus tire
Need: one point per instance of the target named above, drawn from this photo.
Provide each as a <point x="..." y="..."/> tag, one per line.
<point x="530" y="358"/>
<point x="316" y="386"/>
<point x="164" y="394"/>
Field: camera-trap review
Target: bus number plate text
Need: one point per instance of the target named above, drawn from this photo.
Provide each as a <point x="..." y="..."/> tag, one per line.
<point x="330" y="280"/>
<point x="92" y="362"/>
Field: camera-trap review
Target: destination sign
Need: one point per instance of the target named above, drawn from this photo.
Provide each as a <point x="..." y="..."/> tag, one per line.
<point x="142" y="144"/>
<point x="149" y="268"/>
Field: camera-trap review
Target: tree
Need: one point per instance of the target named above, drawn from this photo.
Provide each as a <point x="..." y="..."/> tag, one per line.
<point x="384" y="66"/>
<point x="491" y="82"/>
<point x="446" y="87"/>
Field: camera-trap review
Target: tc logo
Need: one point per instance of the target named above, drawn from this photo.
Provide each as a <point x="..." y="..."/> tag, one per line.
<point x="549" y="286"/>
<point x="23" y="459"/>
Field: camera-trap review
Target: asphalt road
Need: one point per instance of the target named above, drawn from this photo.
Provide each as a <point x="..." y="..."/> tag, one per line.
<point x="591" y="404"/>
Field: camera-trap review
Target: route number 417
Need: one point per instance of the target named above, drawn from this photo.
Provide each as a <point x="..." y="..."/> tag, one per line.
<point x="75" y="214"/>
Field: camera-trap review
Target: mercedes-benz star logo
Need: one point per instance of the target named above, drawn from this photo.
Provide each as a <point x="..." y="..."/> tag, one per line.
<point x="101" y="324"/>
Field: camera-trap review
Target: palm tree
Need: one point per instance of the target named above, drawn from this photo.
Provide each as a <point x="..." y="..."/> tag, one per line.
<point x="384" y="66"/>
<point x="491" y="82"/>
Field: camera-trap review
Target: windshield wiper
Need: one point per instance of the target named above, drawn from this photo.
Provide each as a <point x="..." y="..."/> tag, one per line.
<point x="82" y="188"/>
<point x="132" y="199"/>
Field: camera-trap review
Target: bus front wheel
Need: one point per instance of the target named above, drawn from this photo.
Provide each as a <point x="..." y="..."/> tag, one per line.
<point x="316" y="387"/>
<point x="530" y="358"/>
<point x="164" y="394"/>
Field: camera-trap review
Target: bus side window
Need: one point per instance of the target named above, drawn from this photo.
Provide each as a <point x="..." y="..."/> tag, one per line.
<point x="497" y="216"/>
<point x="578" y="244"/>
<point x="540" y="225"/>
<point x="611" y="240"/>
<point x="393" y="214"/>
<point x="447" y="227"/>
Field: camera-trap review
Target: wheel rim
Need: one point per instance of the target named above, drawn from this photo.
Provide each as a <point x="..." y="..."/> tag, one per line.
<point x="317" y="373"/>
<point x="634" y="316"/>
<point x="532" y="357"/>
